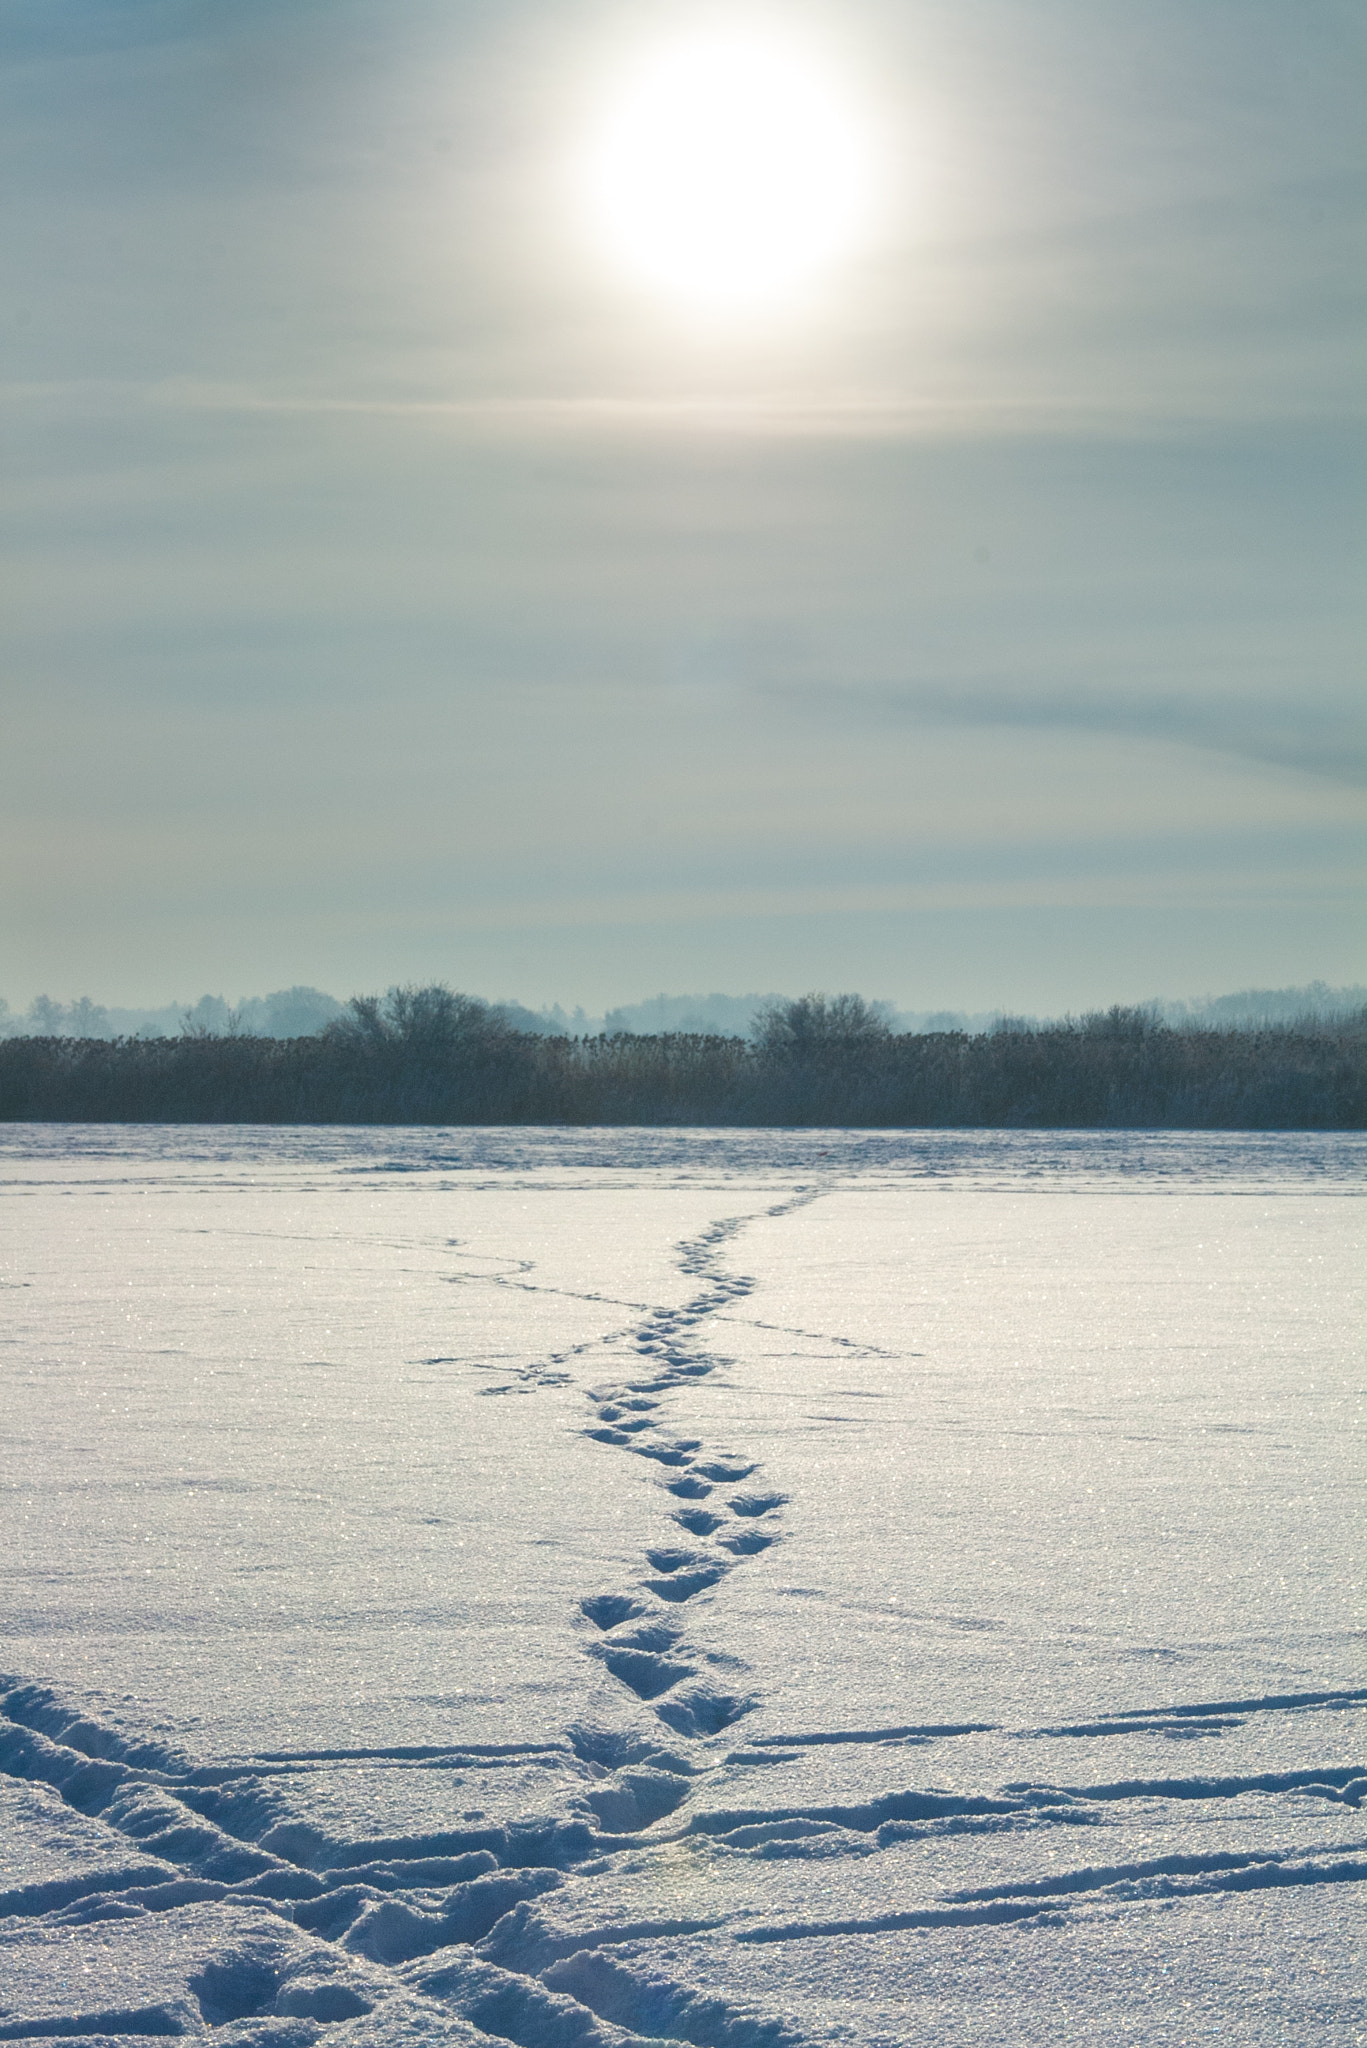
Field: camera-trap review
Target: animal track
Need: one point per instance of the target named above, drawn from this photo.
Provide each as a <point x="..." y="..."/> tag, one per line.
<point x="698" y="1521"/>
<point x="683" y="1585"/>
<point x="608" y="1610"/>
<point x="755" y="1503"/>
<point x="699" y="1711"/>
<point x="631" y="1415"/>
<point x="647" y="1675"/>
<point x="673" y="1560"/>
<point x="689" y="1488"/>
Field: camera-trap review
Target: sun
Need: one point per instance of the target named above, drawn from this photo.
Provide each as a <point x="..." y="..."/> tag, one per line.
<point x="726" y="172"/>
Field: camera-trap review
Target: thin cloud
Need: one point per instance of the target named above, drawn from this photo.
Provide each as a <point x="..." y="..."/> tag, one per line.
<point x="1316" y="739"/>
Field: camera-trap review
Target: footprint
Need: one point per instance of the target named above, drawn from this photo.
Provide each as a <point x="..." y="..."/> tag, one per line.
<point x="698" y="1521"/>
<point x="675" y="1560"/>
<point x="746" y="1542"/>
<point x="755" y="1503"/>
<point x="610" y="1610"/>
<point x="629" y="1804"/>
<point x="701" y="1711"/>
<point x="235" y="1986"/>
<point x="688" y="1488"/>
<point x="619" y="1749"/>
<point x="647" y="1674"/>
<point x="660" y="1636"/>
<point x="683" y="1585"/>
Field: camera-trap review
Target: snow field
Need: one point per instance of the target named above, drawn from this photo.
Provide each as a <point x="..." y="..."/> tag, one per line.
<point x="743" y="1589"/>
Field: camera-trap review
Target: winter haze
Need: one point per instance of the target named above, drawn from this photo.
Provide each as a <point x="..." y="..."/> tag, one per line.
<point x="400" y="590"/>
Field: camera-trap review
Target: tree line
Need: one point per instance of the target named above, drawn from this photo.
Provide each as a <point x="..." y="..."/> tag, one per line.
<point x="432" y="1056"/>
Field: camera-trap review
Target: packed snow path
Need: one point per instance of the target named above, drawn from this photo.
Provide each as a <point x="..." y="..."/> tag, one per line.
<point x="723" y="1588"/>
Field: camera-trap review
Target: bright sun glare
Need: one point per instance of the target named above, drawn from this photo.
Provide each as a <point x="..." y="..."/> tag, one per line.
<point x="727" y="172"/>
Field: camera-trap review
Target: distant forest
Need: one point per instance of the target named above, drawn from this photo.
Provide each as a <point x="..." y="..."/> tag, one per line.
<point x="300" y="1012"/>
<point x="431" y="1056"/>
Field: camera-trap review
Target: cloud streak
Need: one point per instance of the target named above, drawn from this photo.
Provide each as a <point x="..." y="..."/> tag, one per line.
<point x="1320" y="739"/>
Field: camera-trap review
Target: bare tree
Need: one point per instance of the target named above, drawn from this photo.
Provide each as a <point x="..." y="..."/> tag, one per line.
<point x="427" y="1021"/>
<point x="816" y="1024"/>
<point x="45" y="1017"/>
<point x="87" y="1019"/>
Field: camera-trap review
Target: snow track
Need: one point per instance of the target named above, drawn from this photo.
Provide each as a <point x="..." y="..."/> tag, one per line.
<point x="655" y="1659"/>
<point x="675" y="1825"/>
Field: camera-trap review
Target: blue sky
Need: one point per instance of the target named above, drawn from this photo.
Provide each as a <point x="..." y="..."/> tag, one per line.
<point x="392" y="591"/>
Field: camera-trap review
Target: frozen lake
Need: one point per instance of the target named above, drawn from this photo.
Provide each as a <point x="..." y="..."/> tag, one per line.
<point x="736" y="1588"/>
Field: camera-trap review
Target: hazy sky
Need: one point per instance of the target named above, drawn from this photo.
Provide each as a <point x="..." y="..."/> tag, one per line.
<point x="396" y="587"/>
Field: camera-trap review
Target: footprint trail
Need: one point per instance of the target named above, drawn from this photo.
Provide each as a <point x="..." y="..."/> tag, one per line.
<point x="724" y="1513"/>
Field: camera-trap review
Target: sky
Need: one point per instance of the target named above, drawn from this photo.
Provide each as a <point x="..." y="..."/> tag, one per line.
<point x="399" y="586"/>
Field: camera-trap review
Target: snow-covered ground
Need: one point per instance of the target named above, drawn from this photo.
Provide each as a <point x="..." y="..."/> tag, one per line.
<point x="735" y="1588"/>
